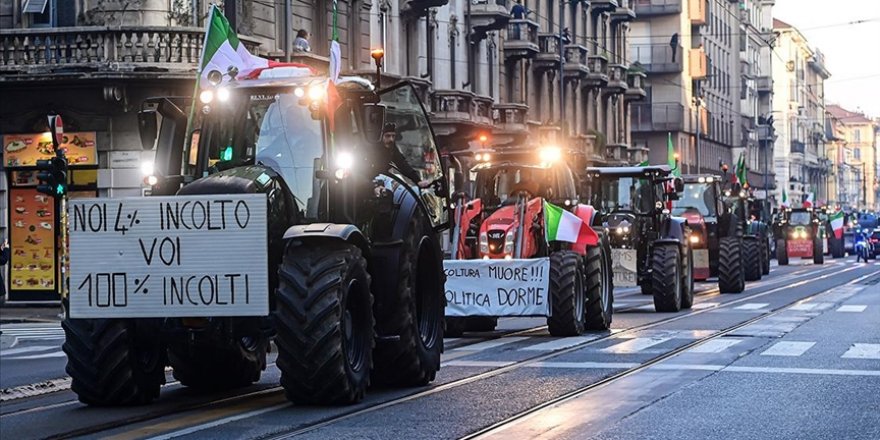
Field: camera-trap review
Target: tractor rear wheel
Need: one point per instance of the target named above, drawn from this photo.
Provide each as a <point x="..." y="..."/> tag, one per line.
<point x="414" y="312"/>
<point x="781" y="253"/>
<point x="215" y="368"/>
<point x="111" y="362"/>
<point x="837" y="247"/>
<point x="324" y="319"/>
<point x="765" y="252"/>
<point x="687" y="280"/>
<point x="567" y="301"/>
<point x="666" y="277"/>
<point x="752" y="255"/>
<point x="818" y="255"/>
<point x="599" y="287"/>
<point x="731" y="278"/>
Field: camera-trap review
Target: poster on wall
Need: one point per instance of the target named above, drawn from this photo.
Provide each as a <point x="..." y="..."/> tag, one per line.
<point x="24" y="150"/>
<point x="32" y="273"/>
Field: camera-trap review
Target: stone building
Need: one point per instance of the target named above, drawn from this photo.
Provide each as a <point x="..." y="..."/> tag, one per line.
<point x="852" y="182"/>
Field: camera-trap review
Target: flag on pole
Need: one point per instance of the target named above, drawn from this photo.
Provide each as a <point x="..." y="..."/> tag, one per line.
<point x="740" y="171"/>
<point x="643" y="163"/>
<point x="784" y="198"/>
<point x="333" y="98"/>
<point x="808" y="203"/>
<point x="563" y="225"/>
<point x="837" y="224"/>
<point x="670" y="156"/>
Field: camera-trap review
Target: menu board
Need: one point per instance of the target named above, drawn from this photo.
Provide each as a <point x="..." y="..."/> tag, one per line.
<point x="32" y="239"/>
<point x="23" y="150"/>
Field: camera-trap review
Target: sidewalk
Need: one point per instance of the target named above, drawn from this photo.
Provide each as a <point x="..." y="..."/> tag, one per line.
<point x="16" y="314"/>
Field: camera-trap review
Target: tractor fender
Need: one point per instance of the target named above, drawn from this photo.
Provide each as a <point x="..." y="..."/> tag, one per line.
<point x="673" y="229"/>
<point x="333" y="231"/>
<point x="586" y="213"/>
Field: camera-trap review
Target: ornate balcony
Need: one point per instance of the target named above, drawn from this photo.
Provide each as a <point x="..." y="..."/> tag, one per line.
<point x="624" y="11"/>
<point x="576" y="61"/>
<point x="483" y="111"/>
<point x="522" y="40"/>
<point x="597" y="6"/>
<point x="616" y="80"/>
<point x="617" y="152"/>
<point x="453" y="115"/>
<point x="487" y="16"/>
<point x="512" y="117"/>
<point x="35" y="54"/>
<point x="650" y="8"/>
<point x="798" y="147"/>
<point x="657" y="58"/>
<point x="648" y="117"/>
<point x="419" y="8"/>
<point x="598" y="76"/>
<point x="635" y="81"/>
<point x="548" y="54"/>
<point x="764" y="84"/>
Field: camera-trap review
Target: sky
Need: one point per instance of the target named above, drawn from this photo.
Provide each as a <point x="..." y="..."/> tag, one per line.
<point x="852" y="51"/>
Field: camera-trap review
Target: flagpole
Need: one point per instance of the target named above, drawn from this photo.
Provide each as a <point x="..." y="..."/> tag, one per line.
<point x="195" y="93"/>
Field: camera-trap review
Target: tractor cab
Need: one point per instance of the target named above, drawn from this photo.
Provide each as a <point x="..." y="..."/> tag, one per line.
<point x="798" y="234"/>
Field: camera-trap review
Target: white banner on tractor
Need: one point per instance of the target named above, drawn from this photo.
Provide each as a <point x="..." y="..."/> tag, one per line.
<point x="624" y="267"/>
<point x="180" y="256"/>
<point x="498" y="287"/>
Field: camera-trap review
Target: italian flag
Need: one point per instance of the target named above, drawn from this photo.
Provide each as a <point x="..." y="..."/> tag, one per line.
<point x="223" y="49"/>
<point x="563" y="225"/>
<point x="837" y="224"/>
<point x="808" y="203"/>
<point x="670" y="156"/>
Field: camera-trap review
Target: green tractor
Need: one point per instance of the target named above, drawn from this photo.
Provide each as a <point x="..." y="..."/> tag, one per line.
<point x="798" y="234"/>
<point x="354" y="267"/>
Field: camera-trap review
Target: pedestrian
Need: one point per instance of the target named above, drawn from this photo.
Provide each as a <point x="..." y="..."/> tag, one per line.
<point x="4" y="259"/>
<point x="673" y="43"/>
<point x="301" y="43"/>
<point x="566" y="36"/>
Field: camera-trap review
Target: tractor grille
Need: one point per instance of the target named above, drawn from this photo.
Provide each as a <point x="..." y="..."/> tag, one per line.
<point x="496" y="241"/>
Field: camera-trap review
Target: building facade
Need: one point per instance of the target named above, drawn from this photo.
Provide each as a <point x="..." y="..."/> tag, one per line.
<point x="800" y="160"/>
<point x="853" y="183"/>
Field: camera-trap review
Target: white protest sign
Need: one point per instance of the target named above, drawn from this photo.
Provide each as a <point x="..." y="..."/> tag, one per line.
<point x="180" y="256"/>
<point x="624" y="262"/>
<point x="497" y="287"/>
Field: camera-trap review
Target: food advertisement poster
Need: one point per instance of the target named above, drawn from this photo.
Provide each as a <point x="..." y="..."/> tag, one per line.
<point x="32" y="241"/>
<point x="23" y="150"/>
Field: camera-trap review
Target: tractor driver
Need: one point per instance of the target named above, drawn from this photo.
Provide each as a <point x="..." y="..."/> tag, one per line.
<point x="389" y="154"/>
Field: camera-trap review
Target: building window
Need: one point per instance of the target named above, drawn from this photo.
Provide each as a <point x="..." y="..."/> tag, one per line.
<point x="857" y="136"/>
<point x="857" y="153"/>
<point x="41" y="12"/>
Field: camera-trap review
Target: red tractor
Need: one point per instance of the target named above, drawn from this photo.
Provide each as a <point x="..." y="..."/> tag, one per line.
<point x="505" y="262"/>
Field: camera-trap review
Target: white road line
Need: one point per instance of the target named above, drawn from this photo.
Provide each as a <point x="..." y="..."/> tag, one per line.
<point x="21" y="350"/>
<point x="450" y="340"/>
<point x="705" y="305"/>
<point x="584" y="365"/>
<point x="219" y="422"/>
<point x="788" y="348"/>
<point x="57" y="354"/>
<point x="490" y="344"/>
<point x="751" y="306"/>
<point x="560" y="343"/>
<point x="805" y="307"/>
<point x="715" y="345"/>
<point x="863" y="351"/>
<point x="678" y="367"/>
<point x="478" y="363"/>
<point x="635" y="345"/>
<point x="852" y="308"/>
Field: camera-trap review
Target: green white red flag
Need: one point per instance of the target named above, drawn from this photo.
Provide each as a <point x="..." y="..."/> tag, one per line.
<point x="563" y="225"/>
<point x="837" y="224"/>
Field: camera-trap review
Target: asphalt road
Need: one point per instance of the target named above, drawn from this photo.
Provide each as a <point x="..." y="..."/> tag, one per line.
<point x="795" y="356"/>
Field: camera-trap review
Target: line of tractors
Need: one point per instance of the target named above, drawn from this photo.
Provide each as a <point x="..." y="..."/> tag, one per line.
<point x="357" y="247"/>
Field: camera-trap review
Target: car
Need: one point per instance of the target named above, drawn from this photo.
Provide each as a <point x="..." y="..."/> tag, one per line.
<point x="874" y="248"/>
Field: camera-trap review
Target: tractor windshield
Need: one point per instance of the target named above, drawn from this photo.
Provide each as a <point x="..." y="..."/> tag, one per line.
<point x="501" y="185"/>
<point x="698" y="196"/>
<point x="626" y="194"/>
<point x="800" y="218"/>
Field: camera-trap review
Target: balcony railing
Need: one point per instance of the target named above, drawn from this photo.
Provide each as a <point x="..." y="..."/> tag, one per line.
<point x="598" y="75"/>
<point x="647" y="8"/>
<point x="798" y="147"/>
<point x="548" y="51"/>
<point x="576" y="60"/>
<point x="764" y="84"/>
<point x="132" y="49"/>
<point x="522" y="39"/>
<point x="657" y="58"/>
<point x="616" y="79"/>
<point x="604" y="5"/>
<point x="512" y="116"/>
<point x="483" y="110"/>
<point x="624" y="11"/>
<point x="420" y="8"/>
<point x="635" y="85"/>
<point x="488" y="15"/>
<point x="452" y="106"/>
<point x="648" y="117"/>
<point x="765" y="133"/>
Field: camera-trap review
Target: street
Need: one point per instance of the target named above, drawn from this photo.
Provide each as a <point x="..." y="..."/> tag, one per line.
<point x="797" y="355"/>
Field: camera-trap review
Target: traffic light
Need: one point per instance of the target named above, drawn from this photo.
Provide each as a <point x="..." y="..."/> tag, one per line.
<point x="52" y="176"/>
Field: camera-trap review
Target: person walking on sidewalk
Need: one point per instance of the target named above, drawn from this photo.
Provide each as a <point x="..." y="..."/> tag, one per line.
<point x="4" y="259"/>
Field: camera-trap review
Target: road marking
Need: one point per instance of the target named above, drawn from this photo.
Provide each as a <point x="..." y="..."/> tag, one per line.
<point x="478" y="364"/>
<point x="705" y="305"/>
<point x="450" y="340"/>
<point x="585" y="365"/>
<point x="560" y="343"/>
<point x="805" y="307"/>
<point x="480" y="346"/>
<point x="15" y="351"/>
<point x="788" y="348"/>
<point x="751" y="306"/>
<point x="55" y="354"/>
<point x="715" y="345"/>
<point x="679" y="367"/>
<point x="863" y="351"/>
<point x="852" y="308"/>
<point x="635" y="345"/>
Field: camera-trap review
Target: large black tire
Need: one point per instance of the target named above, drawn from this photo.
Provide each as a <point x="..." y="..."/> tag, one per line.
<point x="818" y="255"/>
<point x="567" y="294"/>
<point x="781" y="253"/>
<point x="687" y="280"/>
<point x="324" y="321"/>
<point x="455" y="327"/>
<point x="414" y="312"/>
<point x="765" y="251"/>
<point x="752" y="256"/>
<point x="731" y="277"/>
<point x="111" y="362"/>
<point x="837" y="248"/>
<point x="212" y="368"/>
<point x="599" y="284"/>
<point x="645" y="288"/>
<point x="666" y="277"/>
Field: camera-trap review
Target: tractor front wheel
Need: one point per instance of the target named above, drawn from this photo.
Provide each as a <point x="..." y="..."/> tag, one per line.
<point x="687" y="280"/>
<point x="599" y="287"/>
<point x="567" y="300"/>
<point x="818" y="255"/>
<point x="752" y="256"/>
<point x="731" y="278"/>
<point x="781" y="253"/>
<point x="666" y="277"/>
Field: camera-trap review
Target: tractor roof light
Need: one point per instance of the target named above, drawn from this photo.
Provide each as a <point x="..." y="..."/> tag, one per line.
<point x="206" y="96"/>
<point x="550" y="154"/>
<point x="701" y="180"/>
<point x="223" y="94"/>
<point x="316" y="93"/>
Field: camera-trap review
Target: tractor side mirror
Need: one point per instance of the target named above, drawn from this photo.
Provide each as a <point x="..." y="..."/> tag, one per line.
<point x="679" y="184"/>
<point x="148" y="128"/>
<point x="374" y="120"/>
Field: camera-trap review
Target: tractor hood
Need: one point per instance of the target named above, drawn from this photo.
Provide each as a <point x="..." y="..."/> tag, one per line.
<point x="503" y="219"/>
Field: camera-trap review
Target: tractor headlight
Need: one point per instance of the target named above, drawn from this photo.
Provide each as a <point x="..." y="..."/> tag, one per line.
<point x="484" y="243"/>
<point x="223" y="94"/>
<point x="147" y="168"/>
<point x="206" y="96"/>
<point x="316" y="93"/>
<point x="695" y="238"/>
<point x="550" y="154"/>
<point x="344" y="162"/>
<point x="508" y="242"/>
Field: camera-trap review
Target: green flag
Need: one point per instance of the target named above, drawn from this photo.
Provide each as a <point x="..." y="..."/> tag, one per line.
<point x="670" y="156"/>
<point x="741" y="172"/>
<point x="784" y="198"/>
<point x="643" y="163"/>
